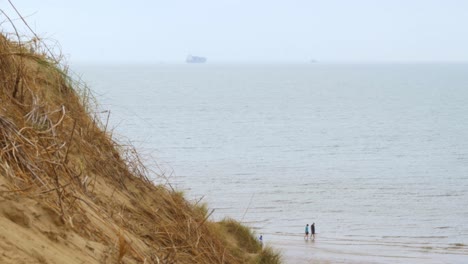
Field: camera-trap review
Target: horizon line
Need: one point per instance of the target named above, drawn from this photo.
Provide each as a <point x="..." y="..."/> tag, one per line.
<point x="315" y="62"/>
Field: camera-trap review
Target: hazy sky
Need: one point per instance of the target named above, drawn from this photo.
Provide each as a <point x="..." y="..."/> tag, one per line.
<point x="255" y="30"/>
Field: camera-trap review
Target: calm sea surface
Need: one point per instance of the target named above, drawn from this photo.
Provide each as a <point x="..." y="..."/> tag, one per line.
<point x="376" y="155"/>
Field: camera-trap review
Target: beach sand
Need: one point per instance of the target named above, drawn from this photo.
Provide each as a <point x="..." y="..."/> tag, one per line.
<point x="295" y="249"/>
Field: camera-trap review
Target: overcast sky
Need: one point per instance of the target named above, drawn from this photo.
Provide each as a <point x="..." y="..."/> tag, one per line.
<point x="252" y="30"/>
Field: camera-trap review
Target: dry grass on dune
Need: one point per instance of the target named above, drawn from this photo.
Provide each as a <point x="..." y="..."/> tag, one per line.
<point x="244" y="243"/>
<point x="69" y="193"/>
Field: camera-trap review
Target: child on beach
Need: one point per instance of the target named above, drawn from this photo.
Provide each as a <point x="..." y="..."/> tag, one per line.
<point x="306" y="237"/>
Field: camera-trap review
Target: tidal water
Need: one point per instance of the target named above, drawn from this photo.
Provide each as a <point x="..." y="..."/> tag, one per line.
<point x="375" y="154"/>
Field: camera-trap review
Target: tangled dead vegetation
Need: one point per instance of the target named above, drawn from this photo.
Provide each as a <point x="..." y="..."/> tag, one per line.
<point x="70" y="193"/>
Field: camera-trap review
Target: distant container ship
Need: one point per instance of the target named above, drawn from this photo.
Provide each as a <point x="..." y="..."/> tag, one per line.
<point x="195" y="59"/>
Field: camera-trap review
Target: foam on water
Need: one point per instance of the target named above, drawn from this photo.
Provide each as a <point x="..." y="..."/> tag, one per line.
<point x="375" y="155"/>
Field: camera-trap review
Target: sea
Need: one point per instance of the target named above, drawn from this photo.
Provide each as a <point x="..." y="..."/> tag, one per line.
<point x="375" y="154"/>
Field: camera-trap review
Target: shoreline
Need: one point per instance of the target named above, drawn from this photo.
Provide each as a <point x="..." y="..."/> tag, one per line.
<point x="294" y="249"/>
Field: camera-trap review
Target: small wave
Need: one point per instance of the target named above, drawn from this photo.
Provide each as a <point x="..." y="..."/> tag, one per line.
<point x="417" y="237"/>
<point x="243" y="174"/>
<point x="458" y="245"/>
<point x="440" y="195"/>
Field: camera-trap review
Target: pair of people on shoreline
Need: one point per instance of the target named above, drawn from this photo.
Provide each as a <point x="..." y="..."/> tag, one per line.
<point x="312" y="232"/>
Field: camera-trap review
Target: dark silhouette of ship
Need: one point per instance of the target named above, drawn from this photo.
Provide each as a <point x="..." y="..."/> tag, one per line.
<point x="195" y="59"/>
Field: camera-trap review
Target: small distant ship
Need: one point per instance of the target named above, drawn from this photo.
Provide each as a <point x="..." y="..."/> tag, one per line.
<point x="195" y="59"/>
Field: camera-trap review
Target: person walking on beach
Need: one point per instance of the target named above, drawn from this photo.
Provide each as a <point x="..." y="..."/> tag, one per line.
<point x="306" y="237"/>
<point x="312" y="231"/>
<point x="260" y="238"/>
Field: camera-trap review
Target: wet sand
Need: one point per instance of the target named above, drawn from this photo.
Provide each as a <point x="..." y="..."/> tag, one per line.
<point x="295" y="249"/>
